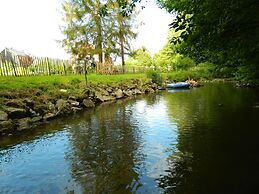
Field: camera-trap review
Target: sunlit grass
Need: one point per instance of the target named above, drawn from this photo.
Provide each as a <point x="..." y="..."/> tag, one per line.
<point x="56" y="80"/>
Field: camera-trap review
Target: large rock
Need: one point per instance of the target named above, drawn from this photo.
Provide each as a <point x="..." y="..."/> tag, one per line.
<point x="88" y="103"/>
<point x="36" y="119"/>
<point x="147" y="90"/>
<point x="76" y="109"/>
<point x="15" y="113"/>
<point x="109" y="98"/>
<point x="3" y="116"/>
<point x="131" y="86"/>
<point x="72" y="98"/>
<point x="109" y="89"/>
<point x="29" y="102"/>
<point x="60" y="104"/>
<point x="32" y="113"/>
<point x="51" y="107"/>
<point x="102" y="98"/>
<point x="63" y="107"/>
<point x="150" y="90"/>
<point x="99" y="96"/>
<point x="118" y="93"/>
<point x="41" y="109"/>
<point x="6" y="125"/>
<point x="136" y="92"/>
<point x="16" y="103"/>
<point x="74" y="103"/>
<point x="154" y="86"/>
<point x="103" y="92"/>
<point x="23" y="124"/>
<point x="128" y="93"/>
<point x="49" y="116"/>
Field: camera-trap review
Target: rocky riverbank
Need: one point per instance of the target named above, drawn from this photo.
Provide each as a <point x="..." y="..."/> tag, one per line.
<point x="25" y="109"/>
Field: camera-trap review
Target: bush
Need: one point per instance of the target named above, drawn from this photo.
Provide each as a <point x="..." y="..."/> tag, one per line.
<point x="204" y="70"/>
<point x="247" y="73"/>
<point x="224" y="72"/>
<point x="155" y="77"/>
<point x="183" y="63"/>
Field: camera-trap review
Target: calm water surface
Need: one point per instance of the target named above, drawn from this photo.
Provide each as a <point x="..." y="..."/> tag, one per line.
<point x="204" y="140"/>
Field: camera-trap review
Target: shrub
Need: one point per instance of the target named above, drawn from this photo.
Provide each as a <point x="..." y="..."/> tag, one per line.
<point x="183" y="63"/>
<point x="155" y="77"/>
<point x="204" y="70"/>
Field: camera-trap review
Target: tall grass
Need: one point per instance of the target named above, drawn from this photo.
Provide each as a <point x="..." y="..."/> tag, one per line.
<point x="7" y="83"/>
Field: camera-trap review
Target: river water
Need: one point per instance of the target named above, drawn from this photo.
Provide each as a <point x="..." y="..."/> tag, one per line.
<point x="203" y="140"/>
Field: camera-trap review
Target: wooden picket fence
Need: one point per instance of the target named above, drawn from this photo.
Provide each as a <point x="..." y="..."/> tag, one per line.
<point x="24" y="66"/>
<point x="35" y="66"/>
<point x="109" y="69"/>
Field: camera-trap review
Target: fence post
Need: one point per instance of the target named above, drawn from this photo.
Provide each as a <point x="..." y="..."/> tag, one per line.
<point x="6" y="68"/>
<point x="14" y="69"/>
<point x="48" y="67"/>
<point x="1" y="67"/>
<point x="65" y="72"/>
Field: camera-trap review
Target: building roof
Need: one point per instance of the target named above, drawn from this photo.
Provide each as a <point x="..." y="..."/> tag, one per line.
<point x="14" y="52"/>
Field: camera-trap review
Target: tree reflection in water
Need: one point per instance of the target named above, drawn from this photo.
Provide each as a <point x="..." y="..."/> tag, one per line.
<point x="202" y="141"/>
<point x="107" y="156"/>
<point x="216" y="128"/>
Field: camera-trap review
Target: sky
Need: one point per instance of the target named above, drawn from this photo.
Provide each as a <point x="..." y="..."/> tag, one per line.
<point x="33" y="26"/>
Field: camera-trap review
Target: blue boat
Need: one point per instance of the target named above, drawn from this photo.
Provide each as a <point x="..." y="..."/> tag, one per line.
<point x="179" y="85"/>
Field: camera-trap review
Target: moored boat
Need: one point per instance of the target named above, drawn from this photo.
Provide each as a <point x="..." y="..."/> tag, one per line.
<point x="179" y="85"/>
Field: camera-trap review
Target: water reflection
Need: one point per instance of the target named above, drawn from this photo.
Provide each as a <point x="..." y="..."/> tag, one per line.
<point x="115" y="148"/>
<point x="106" y="149"/>
<point x="217" y="142"/>
<point x="200" y="141"/>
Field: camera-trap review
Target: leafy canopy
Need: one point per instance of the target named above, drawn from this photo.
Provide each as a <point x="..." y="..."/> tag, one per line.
<point x="225" y="32"/>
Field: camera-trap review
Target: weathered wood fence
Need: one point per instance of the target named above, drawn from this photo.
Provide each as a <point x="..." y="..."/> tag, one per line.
<point x="109" y="69"/>
<point x="21" y="66"/>
<point x="24" y="66"/>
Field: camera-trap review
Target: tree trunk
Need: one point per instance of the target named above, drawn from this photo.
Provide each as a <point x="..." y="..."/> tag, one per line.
<point x="122" y="56"/>
<point x="85" y="72"/>
<point x="99" y="32"/>
<point x="120" y="18"/>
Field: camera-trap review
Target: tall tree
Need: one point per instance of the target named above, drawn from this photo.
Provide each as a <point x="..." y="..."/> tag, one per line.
<point x="103" y="24"/>
<point x="124" y="31"/>
<point x="83" y="27"/>
<point x="225" y="32"/>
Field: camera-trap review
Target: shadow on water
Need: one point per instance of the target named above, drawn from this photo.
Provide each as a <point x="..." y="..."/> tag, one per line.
<point x="217" y="149"/>
<point x="198" y="141"/>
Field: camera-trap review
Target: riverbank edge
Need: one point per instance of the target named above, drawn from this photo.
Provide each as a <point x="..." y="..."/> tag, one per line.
<point x="25" y="109"/>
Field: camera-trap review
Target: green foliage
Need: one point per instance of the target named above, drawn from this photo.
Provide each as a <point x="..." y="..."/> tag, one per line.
<point x="204" y="70"/>
<point x="165" y="56"/>
<point x="201" y="71"/>
<point x="75" y="81"/>
<point x="155" y="77"/>
<point x="183" y="63"/>
<point x="223" y="32"/>
<point x="247" y="73"/>
<point x="224" y="72"/>
<point x="140" y="57"/>
<point x="97" y="27"/>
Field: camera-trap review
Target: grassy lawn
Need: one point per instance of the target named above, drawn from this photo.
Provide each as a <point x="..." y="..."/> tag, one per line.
<point x="7" y="83"/>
